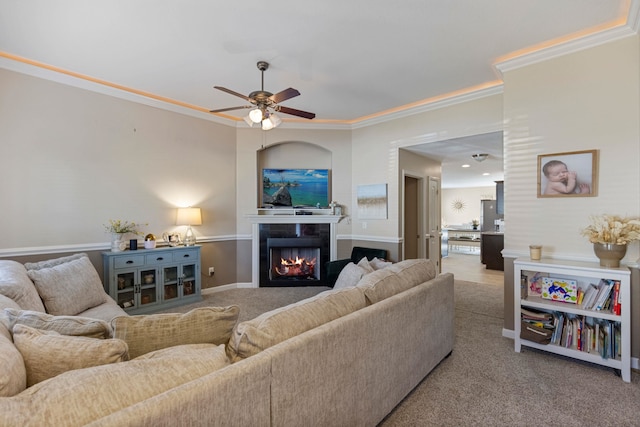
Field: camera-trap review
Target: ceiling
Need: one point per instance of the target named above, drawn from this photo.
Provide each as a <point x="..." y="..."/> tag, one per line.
<point x="351" y="60"/>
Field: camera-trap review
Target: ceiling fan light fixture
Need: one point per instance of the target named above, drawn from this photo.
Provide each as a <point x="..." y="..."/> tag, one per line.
<point x="255" y="115"/>
<point x="275" y="120"/>
<point x="480" y="157"/>
<point x="248" y="120"/>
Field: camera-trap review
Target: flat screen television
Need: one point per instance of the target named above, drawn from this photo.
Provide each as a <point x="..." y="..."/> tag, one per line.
<point x="302" y="188"/>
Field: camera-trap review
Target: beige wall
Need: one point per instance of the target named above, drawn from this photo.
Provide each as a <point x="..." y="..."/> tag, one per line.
<point x="73" y="159"/>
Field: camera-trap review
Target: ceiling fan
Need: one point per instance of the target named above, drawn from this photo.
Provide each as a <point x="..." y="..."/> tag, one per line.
<point x="265" y="104"/>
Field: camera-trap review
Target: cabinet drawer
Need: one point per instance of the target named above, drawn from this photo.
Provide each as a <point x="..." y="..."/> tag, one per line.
<point x="128" y="261"/>
<point x="186" y="255"/>
<point x="158" y="258"/>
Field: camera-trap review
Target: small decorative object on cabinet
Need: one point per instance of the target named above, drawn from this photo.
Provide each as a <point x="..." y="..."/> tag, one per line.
<point x="148" y="280"/>
<point x="596" y="329"/>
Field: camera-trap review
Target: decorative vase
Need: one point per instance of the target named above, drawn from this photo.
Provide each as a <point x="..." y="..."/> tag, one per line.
<point x="609" y="254"/>
<point x="117" y="242"/>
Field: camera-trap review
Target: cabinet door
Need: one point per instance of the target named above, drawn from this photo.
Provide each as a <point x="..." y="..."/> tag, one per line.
<point x="188" y="277"/>
<point x="171" y="282"/>
<point x="148" y="288"/>
<point x="126" y="288"/>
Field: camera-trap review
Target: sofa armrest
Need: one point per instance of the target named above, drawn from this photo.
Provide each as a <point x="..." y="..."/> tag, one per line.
<point x="333" y="269"/>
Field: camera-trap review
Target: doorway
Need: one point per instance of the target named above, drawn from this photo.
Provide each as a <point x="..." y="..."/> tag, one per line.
<point x="411" y="217"/>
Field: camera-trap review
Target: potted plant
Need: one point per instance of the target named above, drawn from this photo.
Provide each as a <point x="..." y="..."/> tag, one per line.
<point x="118" y="229"/>
<point x="475" y="223"/>
<point x="610" y="235"/>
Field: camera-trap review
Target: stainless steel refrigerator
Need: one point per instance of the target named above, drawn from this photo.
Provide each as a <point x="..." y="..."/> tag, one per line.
<point x="489" y="215"/>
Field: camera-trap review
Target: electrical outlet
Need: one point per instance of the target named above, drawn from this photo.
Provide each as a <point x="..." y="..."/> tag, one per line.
<point x="211" y="271"/>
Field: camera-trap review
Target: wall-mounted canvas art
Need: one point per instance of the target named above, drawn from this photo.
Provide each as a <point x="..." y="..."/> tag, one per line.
<point x="573" y="174"/>
<point x="295" y="188"/>
<point x="372" y="201"/>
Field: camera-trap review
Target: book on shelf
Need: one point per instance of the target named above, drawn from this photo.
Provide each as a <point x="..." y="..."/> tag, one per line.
<point x="589" y="296"/>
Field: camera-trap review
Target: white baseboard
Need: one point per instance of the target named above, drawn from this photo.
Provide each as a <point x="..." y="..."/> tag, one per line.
<point x="213" y="290"/>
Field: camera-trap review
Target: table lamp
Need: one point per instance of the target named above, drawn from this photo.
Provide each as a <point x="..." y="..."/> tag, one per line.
<point x="189" y="217"/>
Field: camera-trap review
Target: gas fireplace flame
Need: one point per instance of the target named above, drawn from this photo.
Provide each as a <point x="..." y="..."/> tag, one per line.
<point x="295" y="267"/>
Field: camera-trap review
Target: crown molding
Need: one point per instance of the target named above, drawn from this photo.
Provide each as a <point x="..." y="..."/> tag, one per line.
<point x="572" y="46"/>
<point x="446" y="101"/>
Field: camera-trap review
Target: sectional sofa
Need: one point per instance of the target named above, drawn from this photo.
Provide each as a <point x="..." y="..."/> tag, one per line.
<point x="344" y="357"/>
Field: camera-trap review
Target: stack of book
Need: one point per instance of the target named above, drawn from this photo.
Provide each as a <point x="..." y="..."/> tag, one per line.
<point x="603" y="297"/>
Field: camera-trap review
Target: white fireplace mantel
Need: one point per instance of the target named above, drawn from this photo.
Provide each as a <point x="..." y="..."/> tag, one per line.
<point x="287" y="217"/>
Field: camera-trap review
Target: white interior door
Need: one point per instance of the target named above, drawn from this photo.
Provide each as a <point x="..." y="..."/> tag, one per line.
<point x="434" y="231"/>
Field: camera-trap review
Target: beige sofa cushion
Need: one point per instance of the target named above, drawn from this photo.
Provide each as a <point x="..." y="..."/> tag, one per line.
<point x="70" y="287"/>
<point x="47" y="353"/>
<point x="415" y="271"/>
<point x="81" y="396"/>
<point x="64" y="325"/>
<point x="16" y="285"/>
<point x="13" y="374"/>
<point x="381" y="284"/>
<point x="146" y="333"/>
<point x="270" y="328"/>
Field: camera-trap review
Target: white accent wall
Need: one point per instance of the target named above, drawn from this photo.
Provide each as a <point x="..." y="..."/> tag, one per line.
<point x="585" y="100"/>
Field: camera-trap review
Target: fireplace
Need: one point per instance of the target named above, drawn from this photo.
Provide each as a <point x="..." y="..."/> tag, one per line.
<point x="293" y="254"/>
<point x="294" y="259"/>
<point x="308" y="233"/>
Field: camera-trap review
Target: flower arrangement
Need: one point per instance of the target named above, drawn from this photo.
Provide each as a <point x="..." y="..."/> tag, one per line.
<point x="612" y="229"/>
<point x="475" y="222"/>
<point x="122" y="227"/>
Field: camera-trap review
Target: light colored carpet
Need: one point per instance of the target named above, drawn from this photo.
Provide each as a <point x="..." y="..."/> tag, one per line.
<point x="485" y="382"/>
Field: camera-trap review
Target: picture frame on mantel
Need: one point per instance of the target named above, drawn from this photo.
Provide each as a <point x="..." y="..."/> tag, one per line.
<point x="568" y="174"/>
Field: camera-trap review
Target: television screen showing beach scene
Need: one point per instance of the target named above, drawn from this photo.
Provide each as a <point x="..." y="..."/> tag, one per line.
<point x="295" y="188"/>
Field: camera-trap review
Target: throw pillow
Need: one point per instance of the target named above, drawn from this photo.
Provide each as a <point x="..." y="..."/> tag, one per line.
<point x="382" y="284"/>
<point x="52" y="262"/>
<point x="64" y="325"/>
<point x="69" y="288"/>
<point x="13" y="375"/>
<point x="15" y="284"/>
<point x="415" y="271"/>
<point x="270" y="328"/>
<point x="364" y="264"/>
<point x="207" y="325"/>
<point x="47" y="353"/>
<point x="379" y="264"/>
<point x="349" y="276"/>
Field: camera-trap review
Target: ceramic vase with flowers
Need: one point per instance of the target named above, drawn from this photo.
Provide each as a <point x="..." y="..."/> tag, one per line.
<point x="118" y="230"/>
<point x="610" y="235"/>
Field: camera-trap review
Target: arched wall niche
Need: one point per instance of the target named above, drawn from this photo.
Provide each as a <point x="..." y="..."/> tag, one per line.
<point x="291" y="155"/>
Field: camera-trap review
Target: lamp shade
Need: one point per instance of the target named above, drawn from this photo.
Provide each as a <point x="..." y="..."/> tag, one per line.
<point x="189" y="216"/>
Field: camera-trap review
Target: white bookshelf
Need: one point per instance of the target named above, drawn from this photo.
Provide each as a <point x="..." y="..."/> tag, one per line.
<point x="584" y="273"/>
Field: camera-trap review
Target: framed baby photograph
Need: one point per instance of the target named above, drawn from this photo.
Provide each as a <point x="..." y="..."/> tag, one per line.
<point x="571" y="174"/>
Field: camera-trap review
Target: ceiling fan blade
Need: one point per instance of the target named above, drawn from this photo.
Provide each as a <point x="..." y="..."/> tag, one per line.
<point x="220" y="110"/>
<point x="284" y="95"/>
<point x="295" y="112"/>
<point x="229" y="91"/>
